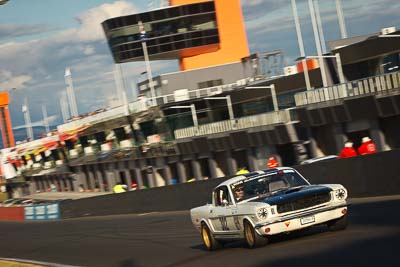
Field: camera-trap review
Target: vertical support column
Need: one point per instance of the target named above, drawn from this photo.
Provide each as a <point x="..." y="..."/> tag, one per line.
<point x="196" y="168"/>
<point x="378" y="137"/>
<point x="180" y="169"/>
<point x="340" y="138"/>
<point x="91" y="180"/>
<point x="68" y="183"/>
<point x="251" y="159"/>
<point x="139" y="178"/>
<point x="116" y="173"/>
<point x="167" y="174"/>
<point x="150" y="177"/>
<point x="61" y="182"/>
<point x="312" y="145"/>
<point x="110" y="177"/>
<point x="232" y="165"/>
<point x="76" y="180"/>
<point x="47" y="182"/>
<point x="32" y="185"/>
<point x="128" y="178"/>
<point x="83" y="177"/>
<point x="99" y="175"/>
<point x="212" y="166"/>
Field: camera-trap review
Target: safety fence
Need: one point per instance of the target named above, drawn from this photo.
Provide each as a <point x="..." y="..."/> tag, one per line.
<point x="378" y="85"/>
<point x="269" y="118"/>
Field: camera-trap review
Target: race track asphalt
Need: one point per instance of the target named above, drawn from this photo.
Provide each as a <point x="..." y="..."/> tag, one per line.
<point x="169" y="239"/>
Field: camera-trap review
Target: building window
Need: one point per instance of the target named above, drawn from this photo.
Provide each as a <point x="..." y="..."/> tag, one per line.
<point x="210" y="83"/>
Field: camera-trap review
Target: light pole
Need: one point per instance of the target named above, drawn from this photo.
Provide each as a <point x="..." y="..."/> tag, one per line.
<point x="273" y="94"/>
<point x="317" y="42"/>
<point x="70" y="93"/>
<point x="301" y="45"/>
<point x="143" y="38"/>
<point x="228" y="102"/>
<point x="64" y="106"/>
<point x="320" y="28"/>
<point x="193" y="110"/>
<point x="342" y="25"/>
<point x="338" y="63"/>
<point x="27" y="117"/>
<point x="45" y="119"/>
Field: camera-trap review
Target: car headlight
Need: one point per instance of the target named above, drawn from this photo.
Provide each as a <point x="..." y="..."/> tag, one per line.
<point x="262" y="213"/>
<point x="340" y="194"/>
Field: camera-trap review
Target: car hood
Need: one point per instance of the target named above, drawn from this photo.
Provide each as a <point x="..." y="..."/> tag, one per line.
<point x="292" y="194"/>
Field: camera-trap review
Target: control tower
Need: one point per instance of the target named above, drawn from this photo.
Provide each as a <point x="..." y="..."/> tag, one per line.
<point x="198" y="33"/>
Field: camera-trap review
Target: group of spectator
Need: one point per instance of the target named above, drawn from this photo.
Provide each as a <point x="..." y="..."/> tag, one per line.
<point x="367" y="147"/>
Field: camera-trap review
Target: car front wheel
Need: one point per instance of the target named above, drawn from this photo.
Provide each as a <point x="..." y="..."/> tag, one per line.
<point x="253" y="240"/>
<point x="208" y="239"/>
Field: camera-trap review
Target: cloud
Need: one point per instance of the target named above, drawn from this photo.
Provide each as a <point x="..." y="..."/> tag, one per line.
<point x="8" y="31"/>
<point x="9" y="81"/>
<point x="89" y="50"/>
<point x="36" y="67"/>
<point x="91" y="20"/>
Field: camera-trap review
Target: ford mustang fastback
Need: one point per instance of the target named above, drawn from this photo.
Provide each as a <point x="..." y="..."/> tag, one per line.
<point x="260" y="204"/>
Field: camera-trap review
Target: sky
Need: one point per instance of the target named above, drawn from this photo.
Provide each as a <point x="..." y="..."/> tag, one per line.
<point x="40" y="38"/>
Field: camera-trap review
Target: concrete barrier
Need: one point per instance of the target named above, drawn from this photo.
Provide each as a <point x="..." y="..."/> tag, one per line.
<point x="371" y="175"/>
<point x="12" y="213"/>
<point x="363" y="176"/>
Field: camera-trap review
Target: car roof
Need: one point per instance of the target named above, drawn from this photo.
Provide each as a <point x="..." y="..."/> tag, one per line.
<point x="251" y="174"/>
<point x="323" y="158"/>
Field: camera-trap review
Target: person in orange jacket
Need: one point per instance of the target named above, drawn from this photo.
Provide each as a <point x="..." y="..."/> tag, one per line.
<point x="367" y="146"/>
<point x="348" y="151"/>
<point x="272" y="162"/>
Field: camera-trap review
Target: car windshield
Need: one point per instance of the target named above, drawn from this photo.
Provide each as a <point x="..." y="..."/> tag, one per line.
<point x="266" y="184"/>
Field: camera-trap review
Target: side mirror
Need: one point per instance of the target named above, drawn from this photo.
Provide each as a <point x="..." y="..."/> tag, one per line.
<point x="224" y="202"/>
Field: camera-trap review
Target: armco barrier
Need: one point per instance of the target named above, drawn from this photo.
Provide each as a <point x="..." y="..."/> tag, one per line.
<point x="371" y="175"/>
<point x="12" y="213"/>
<point x="42" y="212"/>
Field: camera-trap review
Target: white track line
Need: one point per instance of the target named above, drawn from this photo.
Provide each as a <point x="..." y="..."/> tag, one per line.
<point x="38" y="262"/>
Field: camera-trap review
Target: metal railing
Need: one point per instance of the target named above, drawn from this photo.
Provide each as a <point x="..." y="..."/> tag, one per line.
<point x="203" y="92"/>
<point x="143" y="104"/>
<point x="270" y="118"/>
<point x="381" y="84"/>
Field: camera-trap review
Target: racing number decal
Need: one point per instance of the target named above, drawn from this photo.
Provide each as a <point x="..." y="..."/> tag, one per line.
<point x="224" y="223"/>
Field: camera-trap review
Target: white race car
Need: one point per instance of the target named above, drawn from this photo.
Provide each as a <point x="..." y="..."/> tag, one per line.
<point x="260" y="204"/>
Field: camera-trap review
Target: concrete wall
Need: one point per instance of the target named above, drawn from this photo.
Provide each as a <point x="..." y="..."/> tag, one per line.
<point x="229" y="73"/>
<point x="363" y="176"/>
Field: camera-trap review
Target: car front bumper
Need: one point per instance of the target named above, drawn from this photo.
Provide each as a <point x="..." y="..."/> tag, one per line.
<point x="301" y="220"/>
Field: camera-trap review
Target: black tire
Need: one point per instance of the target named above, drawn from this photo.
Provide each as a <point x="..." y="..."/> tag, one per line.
<point x="253" y="240"/>
<point x="208" y="239"/>
<point x="338" y="224"/>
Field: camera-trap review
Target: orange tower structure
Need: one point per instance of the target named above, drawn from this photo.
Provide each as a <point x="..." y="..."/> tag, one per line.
<point x="232" y="34"/>
<point x="5" y="122"/>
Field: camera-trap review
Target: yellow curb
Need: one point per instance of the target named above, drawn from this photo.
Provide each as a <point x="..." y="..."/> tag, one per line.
<point x="4" y="263"/>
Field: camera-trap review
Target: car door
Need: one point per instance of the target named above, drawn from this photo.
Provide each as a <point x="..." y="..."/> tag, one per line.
<point x="221" y="214"/>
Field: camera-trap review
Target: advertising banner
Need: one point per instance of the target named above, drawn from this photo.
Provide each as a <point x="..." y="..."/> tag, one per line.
<point x="42" y="212"/>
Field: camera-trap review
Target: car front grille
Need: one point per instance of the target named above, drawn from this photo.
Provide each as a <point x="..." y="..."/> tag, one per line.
<point x="306" y="202"/>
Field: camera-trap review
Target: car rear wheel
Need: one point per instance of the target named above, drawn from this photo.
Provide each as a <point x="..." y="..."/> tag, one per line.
<point x="208" y="239"/>
<point x="338" y="224"/>
<point x="253" y="240"/>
